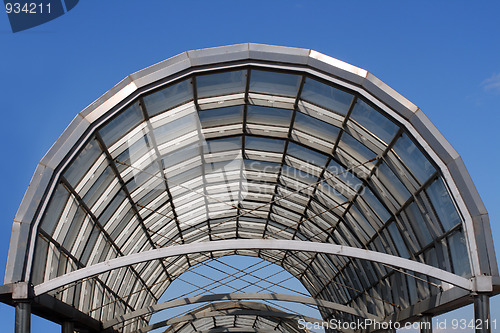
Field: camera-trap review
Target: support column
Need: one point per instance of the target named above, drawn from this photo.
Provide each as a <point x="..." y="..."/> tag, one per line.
<point x="23" y="317"/>
<point x="426" y="324"/>
<point x="482" y="313"/>
<point x="68" y="327"/>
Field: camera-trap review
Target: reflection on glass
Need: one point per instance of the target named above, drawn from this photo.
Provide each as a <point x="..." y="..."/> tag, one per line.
<point x="264" y="115"/>
<point x="305" y="154"/>
<point x="265" y="144"/>
<point x="347" y="177"/>
<point x="221" y="116"/>
<point x="459" y="254"/>
<point x="168" y="98"/>
<point x="299" y="175"/>
<point x="356" y="149"/>
<point x="418" y="224"/>
<point x="316" y="127"/>
<point x="374" y="121"/>
<point x="225" y="144"/>
<point x="177" y="128"/>
<point x="220" y="84"/>
<point x="414" y="159"/>
<point x="392" y="183"/>
<point x="444" y="207"/>
<point x="261" y="166"/>
<point x="180" y="155"/>
<point x="398" y="240"/>
<point x="82" y="163"/>
<point x="53" y="213"/>
<point x="121" y="124"/>
<point x="273" y="83"/>
<point x="326" y="96"/>
<point x="375" y="204"/>
<point x="101" y="184"/>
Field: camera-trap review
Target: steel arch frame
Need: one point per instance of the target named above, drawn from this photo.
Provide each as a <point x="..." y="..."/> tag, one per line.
<point x="254" y="244"/>
<point x="238" y="296"/>
<point x="218" y="313"/>
<point x="307" y="61"/>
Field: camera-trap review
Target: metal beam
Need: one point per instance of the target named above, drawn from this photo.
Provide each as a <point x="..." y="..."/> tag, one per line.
<point x="482" y="313"/>
<point x="67" y="327"/>
<point x="223" y="313"/>
<point x="256" y="244"/>
<point x="23" y="317"/>
<point x="233" y="329"/>
<point x="237" y="296"/>
<point x="426" y="324"/>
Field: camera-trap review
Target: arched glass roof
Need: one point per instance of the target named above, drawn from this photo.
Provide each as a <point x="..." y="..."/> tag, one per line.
<point x="251" y="142"/>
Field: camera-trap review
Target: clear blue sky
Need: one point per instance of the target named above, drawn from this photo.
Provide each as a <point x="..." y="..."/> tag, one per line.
<point x="443" y="56"/>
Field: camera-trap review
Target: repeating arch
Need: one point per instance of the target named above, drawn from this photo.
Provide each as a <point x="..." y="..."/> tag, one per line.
<point x="284" y="153"/>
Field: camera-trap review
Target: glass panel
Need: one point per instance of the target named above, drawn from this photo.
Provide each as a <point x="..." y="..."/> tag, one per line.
<point x="108" y="215"/>
<point x="185" y="153"/>
<point x="219" y="145"/>
<point x="356" y="149"/>
<point x="74" y="228"/>
<point x="326" y="96"/>
<point x="220" y="84"/>
<point x="265" y="144"/>
<point x="273" y="83"/>
<point x="262" y="166"/>
<point x="414" y="159"/>
<point x="375" y="204"/>
<point x="177" y="128"/>
<point x="341" y="173"/>
<point x="121" y="124"/>
<point x="392" y="183"/>
<point x="398" y="240"/>
<point x="147" y="177"/>
<point x="331" y="192"/>
<point x="459" y="254"/>
<point x="374" y="121"/>
<point x="361" y="220"/>
<point x="52" y="214"/>
<point x="222" y="116"/>
<point x="315" y="127"/>
<point x="135" y="151"/>
<point x="268" y="116"/>
<point x="419" y="224"/>
<point x="444" y="207"/>
<point x="82" y="163"/>
<point x="40" y="260"/>
<point x="298" y="175"/>
<point x="306" y="154"/>
<point x="168" y="98"/>
<point x="99" y="187"/>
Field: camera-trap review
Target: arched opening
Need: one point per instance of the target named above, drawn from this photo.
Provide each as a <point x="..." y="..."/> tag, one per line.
<point x="250" y="150"/>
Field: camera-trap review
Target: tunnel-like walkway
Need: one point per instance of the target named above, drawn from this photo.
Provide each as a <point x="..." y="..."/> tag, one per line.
<point x="276" y="153"/>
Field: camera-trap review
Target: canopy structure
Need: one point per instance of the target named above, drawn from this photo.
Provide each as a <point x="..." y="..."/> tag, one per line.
<point x="280" y="153"/>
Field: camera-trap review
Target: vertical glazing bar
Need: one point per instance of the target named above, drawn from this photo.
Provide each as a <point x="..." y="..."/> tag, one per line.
<point x="426" y="324"/>
<point x="482" y="313"/>
<point x="23" y="317"/>
<point x="68" y="327"/>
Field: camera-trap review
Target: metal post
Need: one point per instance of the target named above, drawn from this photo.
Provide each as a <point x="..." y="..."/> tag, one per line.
<point x="23" y="317"/>
<point x="68" y="327"/>
<point x="426" y="324"/>
<point x="482" y="313"/>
